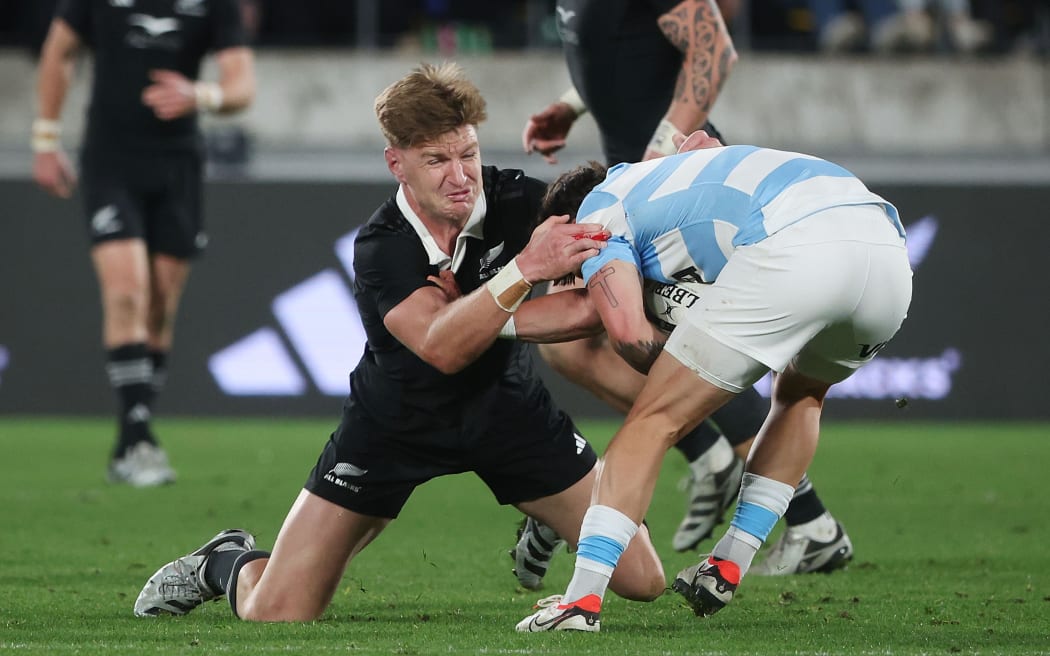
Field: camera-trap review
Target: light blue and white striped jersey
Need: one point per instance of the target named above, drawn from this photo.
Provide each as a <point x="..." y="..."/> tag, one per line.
<point x="681" y="217"/>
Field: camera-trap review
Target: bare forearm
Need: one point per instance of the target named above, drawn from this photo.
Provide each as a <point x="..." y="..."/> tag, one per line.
<point x="236" y="79"/>
<point x="557" y="317"/>
<point x="696" y="28"/>
<point x="55" y="75"/>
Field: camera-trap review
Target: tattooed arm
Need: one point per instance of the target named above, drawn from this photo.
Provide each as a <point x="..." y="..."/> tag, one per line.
<point x="616" y="292"/>
<point x="697" y="29"/>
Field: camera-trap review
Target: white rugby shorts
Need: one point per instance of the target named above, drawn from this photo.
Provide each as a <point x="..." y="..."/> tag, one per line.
<point x="824" y="294"/>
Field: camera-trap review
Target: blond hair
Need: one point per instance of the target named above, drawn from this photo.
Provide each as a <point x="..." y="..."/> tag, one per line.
<point x="427" y="103"/>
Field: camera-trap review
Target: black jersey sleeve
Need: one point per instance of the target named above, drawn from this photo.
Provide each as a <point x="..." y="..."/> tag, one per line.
<point x="661" y="7"/>
<point x="77" y="13"/>
<point x="227" y="26"/>
<point x="389" y="266"/>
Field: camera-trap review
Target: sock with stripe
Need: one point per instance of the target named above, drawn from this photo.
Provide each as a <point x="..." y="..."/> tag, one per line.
<point x="604" y="536"/>
<point x="130" y="373"/>
<point x="762" y="503"/>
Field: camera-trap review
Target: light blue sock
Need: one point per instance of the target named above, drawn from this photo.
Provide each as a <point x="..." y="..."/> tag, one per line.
<point x="604" y="536"/>
<point x="763" y="502"/>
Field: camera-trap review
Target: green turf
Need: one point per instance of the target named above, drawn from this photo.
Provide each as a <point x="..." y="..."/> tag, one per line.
<point x="949" y="524"/>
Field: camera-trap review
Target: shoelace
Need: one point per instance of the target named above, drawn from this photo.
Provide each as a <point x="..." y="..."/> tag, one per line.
<point x="547" y="602"/>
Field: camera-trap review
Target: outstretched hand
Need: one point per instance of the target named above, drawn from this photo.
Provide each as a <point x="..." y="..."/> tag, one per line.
<point x="546" y="132"/>
<point x="558" y="248"/>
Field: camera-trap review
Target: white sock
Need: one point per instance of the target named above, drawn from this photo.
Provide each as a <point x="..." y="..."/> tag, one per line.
<point x="604" y="536"/>
<point x="762" y="503"/>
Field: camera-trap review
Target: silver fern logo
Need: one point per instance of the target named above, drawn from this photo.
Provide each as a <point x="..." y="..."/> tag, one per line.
<point x="489" y="257"/>
<point x="344" y="469"/>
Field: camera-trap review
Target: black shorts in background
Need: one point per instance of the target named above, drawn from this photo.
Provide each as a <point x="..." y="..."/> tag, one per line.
<point x="533" y="451"/>
<point x="156" y="197"/>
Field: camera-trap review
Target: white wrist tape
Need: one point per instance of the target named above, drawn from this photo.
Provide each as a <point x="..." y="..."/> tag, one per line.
<point x="572" y="98"/>
<point x="508" y="331"/>
<point x="663" y="139"/>
<point x="209" y="96"/>
<point x="508" y="287"/>
<point x="46" y="135"/>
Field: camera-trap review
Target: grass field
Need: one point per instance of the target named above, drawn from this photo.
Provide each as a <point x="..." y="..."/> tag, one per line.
<point x="950" y="525"/>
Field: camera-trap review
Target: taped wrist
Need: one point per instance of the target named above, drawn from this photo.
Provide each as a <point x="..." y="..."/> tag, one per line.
<point x="209" y="96"/>
<point x="508" y="287"/>
<point x="508" y="331"/>
<point x="663" y="139"/>
<point x="572" y="98"/>
<point x="46" y="136"/>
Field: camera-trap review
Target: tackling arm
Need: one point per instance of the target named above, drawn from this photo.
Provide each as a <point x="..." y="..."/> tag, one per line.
<point x="449" y="333"/>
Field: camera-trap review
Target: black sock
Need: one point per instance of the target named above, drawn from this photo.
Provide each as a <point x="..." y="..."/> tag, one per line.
<point x="697" y="441"/>
<point x="805" y="506"/>
<point x="219" y="568"/>
<point x="160" y="373"/>
<point x="130" y="373"/>
<point x="243" y="559"/>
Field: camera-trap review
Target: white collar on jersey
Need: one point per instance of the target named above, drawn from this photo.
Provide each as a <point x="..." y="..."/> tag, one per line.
<point x="475" y="228"/>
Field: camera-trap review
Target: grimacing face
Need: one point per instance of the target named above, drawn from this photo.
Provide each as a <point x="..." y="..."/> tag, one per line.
<point x="442" y="176"/>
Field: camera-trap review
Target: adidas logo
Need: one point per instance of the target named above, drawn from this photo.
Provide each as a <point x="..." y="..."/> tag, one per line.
<point x="138" y="413"/>
<point x="259" y="364"/>
<point x="581" y="443"/>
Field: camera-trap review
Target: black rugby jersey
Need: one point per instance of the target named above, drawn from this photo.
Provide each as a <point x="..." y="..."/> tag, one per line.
<point x="395" y="388"/>
<point x="623" y="66"/>
<point x="129" y="38"/>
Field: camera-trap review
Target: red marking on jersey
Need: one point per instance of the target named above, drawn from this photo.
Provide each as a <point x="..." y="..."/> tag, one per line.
<point x="591" y="603"/>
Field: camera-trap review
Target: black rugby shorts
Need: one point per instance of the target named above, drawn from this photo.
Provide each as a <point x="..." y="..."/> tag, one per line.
<point x="156" y="197"/>
<point x="524" y="454"/>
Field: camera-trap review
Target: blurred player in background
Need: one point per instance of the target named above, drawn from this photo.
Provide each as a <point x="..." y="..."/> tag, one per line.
<point x="440" y="271"/>
<point x="806" y="275"/>
<point x="650" y="71"/>
<point x="141" y="168"/>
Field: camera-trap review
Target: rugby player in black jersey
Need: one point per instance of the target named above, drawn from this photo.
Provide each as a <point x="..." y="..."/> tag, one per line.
<point x="649" y="71"/>
<point x="141" y="176"/>
<point x="440" y="271"/>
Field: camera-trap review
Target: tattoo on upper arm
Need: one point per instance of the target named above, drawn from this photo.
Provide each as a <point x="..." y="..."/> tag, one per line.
<point x="696" y="27"/>
<point x="598" y="282"/>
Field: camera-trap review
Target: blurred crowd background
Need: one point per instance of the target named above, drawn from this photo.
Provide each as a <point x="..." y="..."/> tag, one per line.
<point x="460" y="27"/>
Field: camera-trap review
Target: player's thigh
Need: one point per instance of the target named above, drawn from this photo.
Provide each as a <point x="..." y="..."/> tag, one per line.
<point x="314" y="546"/>
<point x="122" y="267"/>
